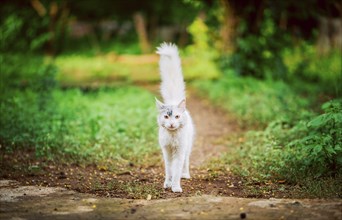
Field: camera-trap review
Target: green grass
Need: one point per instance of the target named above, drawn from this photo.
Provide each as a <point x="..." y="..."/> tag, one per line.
<point x="108" y="123"/>
<point x="114" y="123"/>
<point x="110" y="126"/>
<point x="254" y="102"/>
<point x="261" y="157"/>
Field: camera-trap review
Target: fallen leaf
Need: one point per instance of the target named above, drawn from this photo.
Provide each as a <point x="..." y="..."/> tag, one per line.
<point x="126" y="173"/>
<point x="102" y="168"/>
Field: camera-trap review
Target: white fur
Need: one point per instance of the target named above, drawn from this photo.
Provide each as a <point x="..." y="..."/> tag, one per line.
<point x="176" y="129"/>
<point x="172" y="86"/>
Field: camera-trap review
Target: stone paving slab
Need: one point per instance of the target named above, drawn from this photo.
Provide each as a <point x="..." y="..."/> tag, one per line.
<point x="32" y="202"/>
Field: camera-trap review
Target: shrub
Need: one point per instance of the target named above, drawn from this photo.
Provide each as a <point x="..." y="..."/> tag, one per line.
<point x="304" y="63"/>
<point x="320" y="145"/>
<point x="200" y="55"/>
<point x="258" y="54"/>
<point x="309" y="148"/>
<point x="22" y="30"/>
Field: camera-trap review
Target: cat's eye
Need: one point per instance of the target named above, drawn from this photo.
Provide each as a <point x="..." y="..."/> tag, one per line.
<point x="166" y="116"/>
<point x="177" y="116"/>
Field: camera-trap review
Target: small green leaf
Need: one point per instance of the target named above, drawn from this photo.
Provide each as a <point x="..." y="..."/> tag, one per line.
<point x="317" y="121"/>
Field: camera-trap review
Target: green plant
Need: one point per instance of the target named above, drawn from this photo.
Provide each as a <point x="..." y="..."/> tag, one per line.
<point x="106" y="124"/>
<point x="23" y="30"/>
<point x="306" y="152"/>
<point x="20" y="71"/>
<point x="304" y="63"/>
<point x="258" y="54"/>
<point x="201" y="55"/>
<point x="321" y="146"/>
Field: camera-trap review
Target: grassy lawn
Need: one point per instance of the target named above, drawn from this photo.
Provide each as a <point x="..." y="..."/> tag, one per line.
<point x="114" y="123"/>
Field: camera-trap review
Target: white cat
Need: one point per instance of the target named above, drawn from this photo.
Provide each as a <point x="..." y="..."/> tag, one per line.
<point x="176" y="129"/>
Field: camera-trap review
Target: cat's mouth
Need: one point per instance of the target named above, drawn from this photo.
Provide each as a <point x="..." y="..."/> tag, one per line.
<point x="172" y="128"/>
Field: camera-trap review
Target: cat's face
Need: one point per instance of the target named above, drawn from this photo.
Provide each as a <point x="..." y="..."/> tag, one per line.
<point x="171" y="117"/>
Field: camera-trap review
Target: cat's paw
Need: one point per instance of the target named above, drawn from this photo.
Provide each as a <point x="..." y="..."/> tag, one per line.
<point x="186" y="176"/>
<point x="167" y="184"/>
<point x="176" y="189"/>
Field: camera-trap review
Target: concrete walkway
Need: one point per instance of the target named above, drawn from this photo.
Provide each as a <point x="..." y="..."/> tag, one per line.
<point x="31" y="202"/>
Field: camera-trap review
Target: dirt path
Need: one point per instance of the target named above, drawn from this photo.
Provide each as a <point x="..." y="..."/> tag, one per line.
<point x="213" y="127"/>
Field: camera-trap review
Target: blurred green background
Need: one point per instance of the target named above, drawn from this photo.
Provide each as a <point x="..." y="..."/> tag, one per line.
<point x="70" y="70"/>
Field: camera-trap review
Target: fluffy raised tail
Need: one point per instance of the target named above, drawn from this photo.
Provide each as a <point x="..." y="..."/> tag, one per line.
<point x="172" y="86"/>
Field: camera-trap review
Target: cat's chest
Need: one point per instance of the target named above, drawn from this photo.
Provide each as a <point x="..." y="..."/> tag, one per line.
<point x="170" y="140"/>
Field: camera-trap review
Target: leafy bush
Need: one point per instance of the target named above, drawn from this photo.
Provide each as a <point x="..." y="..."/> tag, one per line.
<point x="258" y="54"/>
<point x="22" y="30"/>
<point x="301" y="152"/>
<point x="200" y="55"/>
<point x="321" y="144"/>
<point x="303" y="62"/>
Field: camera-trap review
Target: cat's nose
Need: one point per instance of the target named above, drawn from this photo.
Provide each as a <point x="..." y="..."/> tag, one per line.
<point x="171" y="126"/>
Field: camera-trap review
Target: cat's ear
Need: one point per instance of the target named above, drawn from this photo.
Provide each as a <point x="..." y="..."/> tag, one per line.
<point x="159" y="105"/>
<point x="182" y="105"/>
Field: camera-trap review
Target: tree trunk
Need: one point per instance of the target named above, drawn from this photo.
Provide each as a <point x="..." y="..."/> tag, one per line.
<point x="228" y="27"/>
<point x="140" y="28"/>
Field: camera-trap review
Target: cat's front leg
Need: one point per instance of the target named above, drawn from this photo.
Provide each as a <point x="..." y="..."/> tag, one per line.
<point x="168" y="172"/>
